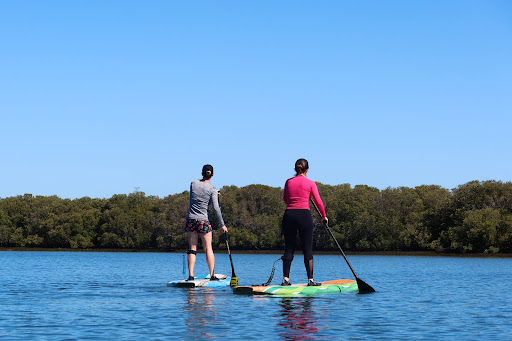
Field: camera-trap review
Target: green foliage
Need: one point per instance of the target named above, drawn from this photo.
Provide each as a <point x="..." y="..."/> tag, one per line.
<point x="474" y="217"/>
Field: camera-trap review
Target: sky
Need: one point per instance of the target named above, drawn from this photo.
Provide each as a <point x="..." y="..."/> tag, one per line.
<point x="110" y="97"/>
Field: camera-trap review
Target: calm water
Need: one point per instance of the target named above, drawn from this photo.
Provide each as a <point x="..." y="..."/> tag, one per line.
<point x="81" y="295"/>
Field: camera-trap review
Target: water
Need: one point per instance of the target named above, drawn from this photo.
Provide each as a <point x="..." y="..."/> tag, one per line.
<point x="99" y="296"/>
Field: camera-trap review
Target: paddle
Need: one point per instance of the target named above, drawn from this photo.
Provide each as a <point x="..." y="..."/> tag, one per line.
<point x="364" y="287"/>
<point x="234" y="279"/>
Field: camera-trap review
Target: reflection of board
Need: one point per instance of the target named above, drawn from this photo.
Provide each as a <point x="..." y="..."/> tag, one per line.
<point x="328" y="287"/>
<point x="201" y="281"/>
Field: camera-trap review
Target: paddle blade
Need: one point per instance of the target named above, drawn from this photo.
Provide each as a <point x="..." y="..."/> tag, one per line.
<point x="234" y="281"/>
<point x="364" y="288"/>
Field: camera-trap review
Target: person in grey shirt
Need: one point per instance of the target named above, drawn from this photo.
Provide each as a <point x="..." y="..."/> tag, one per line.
<point x="202" y="194"/>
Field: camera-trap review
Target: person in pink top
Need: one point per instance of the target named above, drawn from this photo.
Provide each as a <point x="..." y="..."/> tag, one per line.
<point x="297" y="218"/>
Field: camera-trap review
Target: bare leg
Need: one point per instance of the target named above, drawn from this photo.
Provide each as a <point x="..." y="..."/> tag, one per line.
<point x="208" y="250"/>
<point x="192" y="244"/>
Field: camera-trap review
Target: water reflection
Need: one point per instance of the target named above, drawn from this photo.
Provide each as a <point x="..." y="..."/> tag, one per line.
<point x="298" y="318"/>
<point x="202" y="312"/>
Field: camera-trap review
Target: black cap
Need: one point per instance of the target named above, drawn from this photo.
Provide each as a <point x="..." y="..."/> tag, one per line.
<point x="207" y="171"/>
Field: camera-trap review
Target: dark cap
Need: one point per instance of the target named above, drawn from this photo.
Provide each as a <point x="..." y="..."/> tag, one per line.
<point x="207" y="171"/>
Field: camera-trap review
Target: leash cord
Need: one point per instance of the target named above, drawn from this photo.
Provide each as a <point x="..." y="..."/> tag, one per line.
<point x="272" y="274"/>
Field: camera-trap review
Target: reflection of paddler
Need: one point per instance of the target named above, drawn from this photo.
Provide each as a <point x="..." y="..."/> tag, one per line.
<point x="201" y="309"/>
<point x="298" y="318"/>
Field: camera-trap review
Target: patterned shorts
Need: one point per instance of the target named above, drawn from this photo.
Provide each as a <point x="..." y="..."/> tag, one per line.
<point x="198" y="226"/>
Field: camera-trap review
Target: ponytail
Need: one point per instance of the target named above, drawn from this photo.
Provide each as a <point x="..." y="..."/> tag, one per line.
<point x="301" y="166"/>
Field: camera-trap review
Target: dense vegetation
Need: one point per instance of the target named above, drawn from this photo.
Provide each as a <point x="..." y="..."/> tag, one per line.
<point x="475" y="217"/>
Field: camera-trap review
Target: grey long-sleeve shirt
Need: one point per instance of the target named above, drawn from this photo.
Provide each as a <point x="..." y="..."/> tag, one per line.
<point x="203" y="194"/>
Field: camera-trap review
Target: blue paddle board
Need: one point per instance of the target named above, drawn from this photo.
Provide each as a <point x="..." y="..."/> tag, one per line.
<point x="201" y="281"/>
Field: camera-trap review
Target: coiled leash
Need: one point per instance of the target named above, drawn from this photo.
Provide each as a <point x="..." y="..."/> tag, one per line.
<point x="272" y="274"/>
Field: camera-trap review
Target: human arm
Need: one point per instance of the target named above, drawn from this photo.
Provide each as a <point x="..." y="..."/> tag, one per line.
<point x="216" y="208"/>
<point x="318" y="202"/>
<point x="286" y="194"/>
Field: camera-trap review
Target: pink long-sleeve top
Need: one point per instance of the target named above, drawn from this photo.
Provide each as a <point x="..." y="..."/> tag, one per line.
<point x="297" y="192"/>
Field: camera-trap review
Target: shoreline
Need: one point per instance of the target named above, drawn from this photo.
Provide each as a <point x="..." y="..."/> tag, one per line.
<point x="223" y="251"/>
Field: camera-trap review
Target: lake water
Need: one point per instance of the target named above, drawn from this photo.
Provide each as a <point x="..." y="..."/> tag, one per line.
<point x="103" y="295"/>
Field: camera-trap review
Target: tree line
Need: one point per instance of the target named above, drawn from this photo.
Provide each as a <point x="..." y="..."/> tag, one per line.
<point x="474" y="217"/>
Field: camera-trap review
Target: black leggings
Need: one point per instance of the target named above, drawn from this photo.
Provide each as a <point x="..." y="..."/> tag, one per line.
<point x="298" y="221"/>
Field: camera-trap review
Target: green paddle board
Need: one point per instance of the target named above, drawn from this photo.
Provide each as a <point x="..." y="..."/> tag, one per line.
<point x="328" y="287"/>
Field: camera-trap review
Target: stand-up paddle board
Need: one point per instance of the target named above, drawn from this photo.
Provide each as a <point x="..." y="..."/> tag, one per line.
<point x="328" y="287"/>
<point x="201" y="281"/>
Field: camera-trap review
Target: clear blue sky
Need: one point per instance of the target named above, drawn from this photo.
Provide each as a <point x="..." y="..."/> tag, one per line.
<point x="100" y="97"/>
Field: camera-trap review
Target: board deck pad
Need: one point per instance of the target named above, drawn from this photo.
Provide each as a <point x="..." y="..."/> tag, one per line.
<point x="201" y="281"/>
<point x="328" y="287"/>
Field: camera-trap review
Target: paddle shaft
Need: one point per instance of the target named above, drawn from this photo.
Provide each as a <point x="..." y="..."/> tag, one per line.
<point x="363" y="286"/>
<point x="234" y="279"/>
<point x="337" y="244"/>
